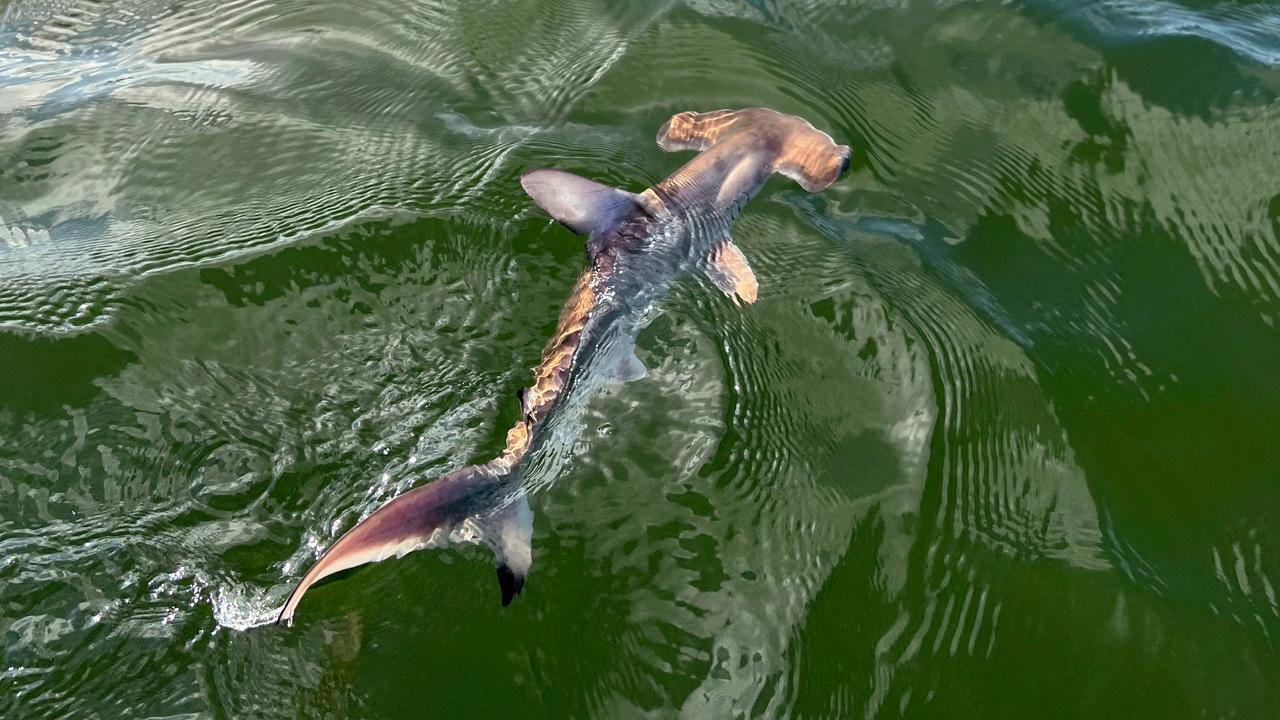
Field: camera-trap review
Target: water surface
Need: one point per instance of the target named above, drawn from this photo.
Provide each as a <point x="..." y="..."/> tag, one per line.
<point x="998" y="440"/>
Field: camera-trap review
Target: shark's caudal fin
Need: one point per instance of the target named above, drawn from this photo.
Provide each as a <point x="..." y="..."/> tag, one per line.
<point x="794" y="148"/>
<point x="457" y="506"/>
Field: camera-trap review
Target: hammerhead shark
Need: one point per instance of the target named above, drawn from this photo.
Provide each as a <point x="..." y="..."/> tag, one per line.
<point x="637" y="245"/>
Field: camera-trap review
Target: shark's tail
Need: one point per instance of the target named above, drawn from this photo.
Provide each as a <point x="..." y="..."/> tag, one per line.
<point x="792" y="146"/>
<point x="467" y="504"/>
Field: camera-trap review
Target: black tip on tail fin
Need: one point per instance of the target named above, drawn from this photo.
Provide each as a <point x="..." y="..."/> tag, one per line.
<point x="510" y="583"/>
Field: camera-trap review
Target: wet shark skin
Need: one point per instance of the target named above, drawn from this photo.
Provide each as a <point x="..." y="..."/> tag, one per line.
<point x="680" y="224"/>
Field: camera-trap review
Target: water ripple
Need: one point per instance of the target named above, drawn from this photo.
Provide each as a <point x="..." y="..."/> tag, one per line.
<point x="1000" y="418"/>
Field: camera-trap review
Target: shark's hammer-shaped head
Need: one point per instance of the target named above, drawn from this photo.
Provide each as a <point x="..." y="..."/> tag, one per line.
<point x="774" y="141"/>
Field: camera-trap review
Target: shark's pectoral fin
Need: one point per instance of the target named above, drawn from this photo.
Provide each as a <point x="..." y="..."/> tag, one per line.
<point x="579" y="204"/>
<point x="509" y="531"/>
<point x="728" y="269"/>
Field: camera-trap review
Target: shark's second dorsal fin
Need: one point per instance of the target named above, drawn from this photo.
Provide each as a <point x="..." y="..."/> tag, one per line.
<point x="581" y="205"/>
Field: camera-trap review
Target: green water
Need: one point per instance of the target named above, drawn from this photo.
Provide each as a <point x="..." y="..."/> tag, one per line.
<point x="1000" y="439"/>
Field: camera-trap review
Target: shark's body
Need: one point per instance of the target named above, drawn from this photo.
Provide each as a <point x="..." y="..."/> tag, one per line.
<point x="637" y="246"/>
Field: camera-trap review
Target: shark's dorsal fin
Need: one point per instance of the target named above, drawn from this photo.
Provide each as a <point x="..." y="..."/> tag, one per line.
<point x="581" y="205"/>
<point x="728" y="269"/>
